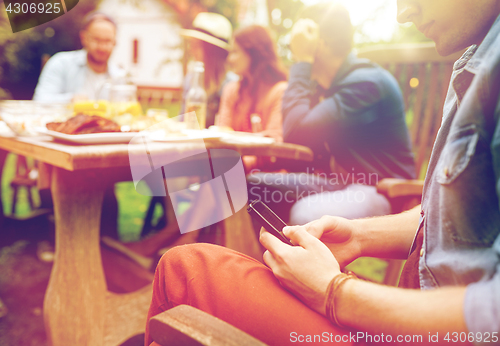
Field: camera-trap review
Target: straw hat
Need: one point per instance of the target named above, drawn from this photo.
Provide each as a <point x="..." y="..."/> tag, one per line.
<point x="212" y="28"/>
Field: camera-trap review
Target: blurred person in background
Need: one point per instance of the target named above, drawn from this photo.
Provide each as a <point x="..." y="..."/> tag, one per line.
<point x="80" y="75"/>
<point x="208" y="42"/>
<point x="253" y="104"/>
<point x="350" y="112"/>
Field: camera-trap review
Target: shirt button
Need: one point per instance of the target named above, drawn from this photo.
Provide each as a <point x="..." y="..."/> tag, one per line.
<point x="422" y="252"/>
<point x="422" y="212"/>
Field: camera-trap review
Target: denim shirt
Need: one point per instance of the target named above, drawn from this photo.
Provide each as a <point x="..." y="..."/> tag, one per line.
<point x="460" y="203"/>
<point x="360" y="121"/>
<point x="64" y="75"/>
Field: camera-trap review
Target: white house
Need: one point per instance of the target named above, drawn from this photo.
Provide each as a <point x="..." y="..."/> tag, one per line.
<point x="148" y="43"/>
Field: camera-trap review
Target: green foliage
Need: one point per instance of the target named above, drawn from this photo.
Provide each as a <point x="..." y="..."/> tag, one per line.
<point x="188" y="9"/>
<point x="21" y="53"/>
<point x="228" y="8"/>
<point x="22" y="206"/>
<point x="283" y="14"/>
<point x="287" y="13"/>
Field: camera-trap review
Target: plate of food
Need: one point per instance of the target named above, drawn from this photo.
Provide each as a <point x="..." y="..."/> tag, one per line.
<point x="85" y="129"/>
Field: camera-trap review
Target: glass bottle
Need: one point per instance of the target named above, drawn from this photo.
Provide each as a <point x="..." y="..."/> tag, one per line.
<point x="196" y="97"/>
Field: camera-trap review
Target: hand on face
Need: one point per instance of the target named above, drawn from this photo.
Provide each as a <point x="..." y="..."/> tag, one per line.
<point x="306" y="269"/>
<point x="304" y="40"/>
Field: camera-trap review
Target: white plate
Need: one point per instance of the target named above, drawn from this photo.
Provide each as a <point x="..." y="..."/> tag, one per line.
<point x="187" y="135"/>
<point x="91" y="138"/>
<point x="248" y="140"/>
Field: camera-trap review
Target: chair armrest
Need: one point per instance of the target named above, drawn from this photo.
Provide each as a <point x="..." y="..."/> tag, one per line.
<point x="185" y="325"/>
<point x="393" y="187"/>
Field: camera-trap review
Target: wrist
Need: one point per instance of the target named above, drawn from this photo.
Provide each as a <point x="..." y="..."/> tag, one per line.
<point x="332" y="295"/>
<point x="360" y="236"/>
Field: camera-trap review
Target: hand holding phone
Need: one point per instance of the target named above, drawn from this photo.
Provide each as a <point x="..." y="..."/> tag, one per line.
<point x="268" y="219"/>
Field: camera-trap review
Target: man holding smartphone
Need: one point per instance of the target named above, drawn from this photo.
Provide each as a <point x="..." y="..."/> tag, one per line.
<point x="452" y="242"/>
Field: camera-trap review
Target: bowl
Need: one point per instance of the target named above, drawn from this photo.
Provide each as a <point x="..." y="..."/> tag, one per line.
<point x="23" y="117"/>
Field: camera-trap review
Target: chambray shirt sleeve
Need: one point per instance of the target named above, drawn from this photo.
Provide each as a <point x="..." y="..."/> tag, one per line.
<point x="303" y="124"/>
<point x="482" y="299"/>
<point x="51" y="84"/>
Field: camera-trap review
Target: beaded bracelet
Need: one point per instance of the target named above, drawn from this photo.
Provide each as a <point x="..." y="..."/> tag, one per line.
<point x="331" y="291"/>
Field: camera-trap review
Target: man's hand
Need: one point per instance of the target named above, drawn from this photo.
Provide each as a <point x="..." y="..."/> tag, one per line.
<point x="304" y="40"/>
<point x="337" y="233"/>
<point x="306" y="269"/>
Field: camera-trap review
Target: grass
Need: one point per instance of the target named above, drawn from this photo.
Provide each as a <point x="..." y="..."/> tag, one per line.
<point x="22" y="207"/>
<point x="132" y="209"/>
<point x="369" y="268"/>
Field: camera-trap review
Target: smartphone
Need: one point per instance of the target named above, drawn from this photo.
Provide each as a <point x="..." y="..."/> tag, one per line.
<point x="268" y="219"/>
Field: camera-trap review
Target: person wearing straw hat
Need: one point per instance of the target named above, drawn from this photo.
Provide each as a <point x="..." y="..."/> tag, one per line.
<point x="208" y="41"/>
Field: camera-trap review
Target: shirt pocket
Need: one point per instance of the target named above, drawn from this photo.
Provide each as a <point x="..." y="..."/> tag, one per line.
<point x="457" y="154"/>
<point x="468" y="204"/>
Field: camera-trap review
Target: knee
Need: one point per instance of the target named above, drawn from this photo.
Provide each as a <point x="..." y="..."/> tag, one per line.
<point x="193" y="255"/>
<point x="181" y="258"/>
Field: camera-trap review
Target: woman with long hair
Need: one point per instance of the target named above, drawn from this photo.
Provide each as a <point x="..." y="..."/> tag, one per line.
<point x="253" y="104"/>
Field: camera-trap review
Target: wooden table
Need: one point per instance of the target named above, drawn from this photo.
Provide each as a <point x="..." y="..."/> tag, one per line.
<point x="78" y="308"/>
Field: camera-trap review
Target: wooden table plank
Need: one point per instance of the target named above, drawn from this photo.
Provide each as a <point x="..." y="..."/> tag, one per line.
<point x="75" y="157"/>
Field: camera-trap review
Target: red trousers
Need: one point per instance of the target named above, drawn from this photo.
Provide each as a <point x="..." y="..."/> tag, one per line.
<point x="239" y="290"/>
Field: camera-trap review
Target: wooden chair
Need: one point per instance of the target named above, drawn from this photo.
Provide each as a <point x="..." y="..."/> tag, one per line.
<point x="423" y="76"/>
<point x="188" y="326"/>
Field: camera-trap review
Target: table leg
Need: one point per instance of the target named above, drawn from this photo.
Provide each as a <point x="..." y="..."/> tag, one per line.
<point x="74" y="306"/>
<point x="78" y="309"/>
